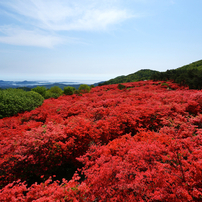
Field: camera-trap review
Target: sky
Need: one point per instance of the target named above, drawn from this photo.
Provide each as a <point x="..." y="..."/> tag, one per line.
<point x="73" y="40"/>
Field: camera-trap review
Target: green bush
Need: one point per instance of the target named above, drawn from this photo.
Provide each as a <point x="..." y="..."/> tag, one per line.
<point x="49" y="94"/>
<point x="53" y="92"/>
<point x="41" y="90"/>
<point x="84" y="88"/>
<point x="69" y="90"/>
<point x="164" y="84"/>
<point x="56" y="89"/>
<point x="14" y="101"/>
<point x="77" y="92"/>
<point x="121" y="86"/>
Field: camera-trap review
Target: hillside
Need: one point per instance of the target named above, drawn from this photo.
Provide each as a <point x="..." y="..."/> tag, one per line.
<point x="141" y="75"/>
<point x="142" y="143"/>
<point x="194" y="65"/>
<point x="188" y="75"/>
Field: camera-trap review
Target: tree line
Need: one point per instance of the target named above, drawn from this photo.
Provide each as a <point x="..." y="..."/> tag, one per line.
<point x="185" y="77"/>
<point x="14" y="101"/>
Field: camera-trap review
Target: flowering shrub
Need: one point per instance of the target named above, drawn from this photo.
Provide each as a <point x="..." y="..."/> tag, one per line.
<point x="141" y="143"/>
<point x="148" y="170"/>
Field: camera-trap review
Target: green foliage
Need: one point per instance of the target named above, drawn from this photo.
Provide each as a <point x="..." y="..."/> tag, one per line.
<point x="84" y="88"/>
<point x="49" y="94"/>
<point x="164" y="84"/>
<point x="56" y="89"/>
<point x="194" y="65"/>
<point x="13" y="101"/>
<point x="41" y="90"/>
<point x="77" y="92"/>
<point x="69" y="90"/>
<point x="25" y="88"/>
<point x="121" y="86"/>
<point x="188" y="77"/>
<point x="144" y="74"/>
<point x="53" y="92"/>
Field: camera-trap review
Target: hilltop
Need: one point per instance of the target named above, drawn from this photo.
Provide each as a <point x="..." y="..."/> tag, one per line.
<point x="194" y="65"/>
<point x="143" y="74"/>
<point x="189" y="75"/>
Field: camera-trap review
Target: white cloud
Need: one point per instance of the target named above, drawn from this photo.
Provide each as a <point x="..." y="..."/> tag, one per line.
<point x="45" y="17"/>
<point x="67" y="15"/>
<point x="17" y="36"/>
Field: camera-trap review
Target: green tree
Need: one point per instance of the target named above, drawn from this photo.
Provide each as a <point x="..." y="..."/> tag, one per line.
<point x="84" y="88"/>
<point x="56" y="89"/>
<point x="54" y="92"/>
<point x="41" y="90"/>
<point x="69" y="90"/>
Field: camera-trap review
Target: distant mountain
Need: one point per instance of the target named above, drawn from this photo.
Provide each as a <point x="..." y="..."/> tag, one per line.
<point x="144" y="74"/>
<point x="28" y="85"/>
<point x="60" y="85"/>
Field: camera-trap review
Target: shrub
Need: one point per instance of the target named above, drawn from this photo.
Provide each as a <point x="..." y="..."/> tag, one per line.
<point x="77" y="92"/>
<point x="69" y="90"/>
<point x="53" y="92"/>
<point x="13" y="101"/>
<point x="56" y="89"/>
<point x="41" y="90"/>
<point x="49" y="94"/>
<point x="121" y="86"/>
<point x="84" y="88"/>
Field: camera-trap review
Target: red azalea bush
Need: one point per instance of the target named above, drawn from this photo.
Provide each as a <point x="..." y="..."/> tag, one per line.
<point x="128" y="169"/>
<point x="159" y="159"/>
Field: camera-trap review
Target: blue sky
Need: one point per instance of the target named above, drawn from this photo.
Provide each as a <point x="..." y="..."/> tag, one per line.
<point x="96" y="40"/>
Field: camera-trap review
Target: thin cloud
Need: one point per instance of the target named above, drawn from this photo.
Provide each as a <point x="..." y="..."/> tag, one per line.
<point x="18" y="36"/>
<point x="45" y="17"/>
<point x="62" y="15"/>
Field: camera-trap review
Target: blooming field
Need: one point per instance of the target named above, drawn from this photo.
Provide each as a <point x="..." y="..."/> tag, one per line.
<point x="142" y="143"/>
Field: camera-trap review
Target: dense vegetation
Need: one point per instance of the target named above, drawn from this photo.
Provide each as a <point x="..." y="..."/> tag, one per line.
<point x="69" y="90"/>
<point x="188" y="75"/>
<point x="139" y="141"/>
<point x="13" y="101"/>
<point x="141" y="75"/>
<point x="56" y="91"/>
<point x="194" y="65"/>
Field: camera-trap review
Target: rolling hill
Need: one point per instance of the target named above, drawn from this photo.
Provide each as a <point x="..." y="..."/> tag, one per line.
<point x="194" y="65"/>
<point x="189" y="75"/>
<point x="144" y="74"/>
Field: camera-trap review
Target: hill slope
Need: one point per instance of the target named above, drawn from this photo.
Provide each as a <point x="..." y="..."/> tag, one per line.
<point x="194" y="65"/>
<point x="143" y="74"/>
<point x="189" y="75"/>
